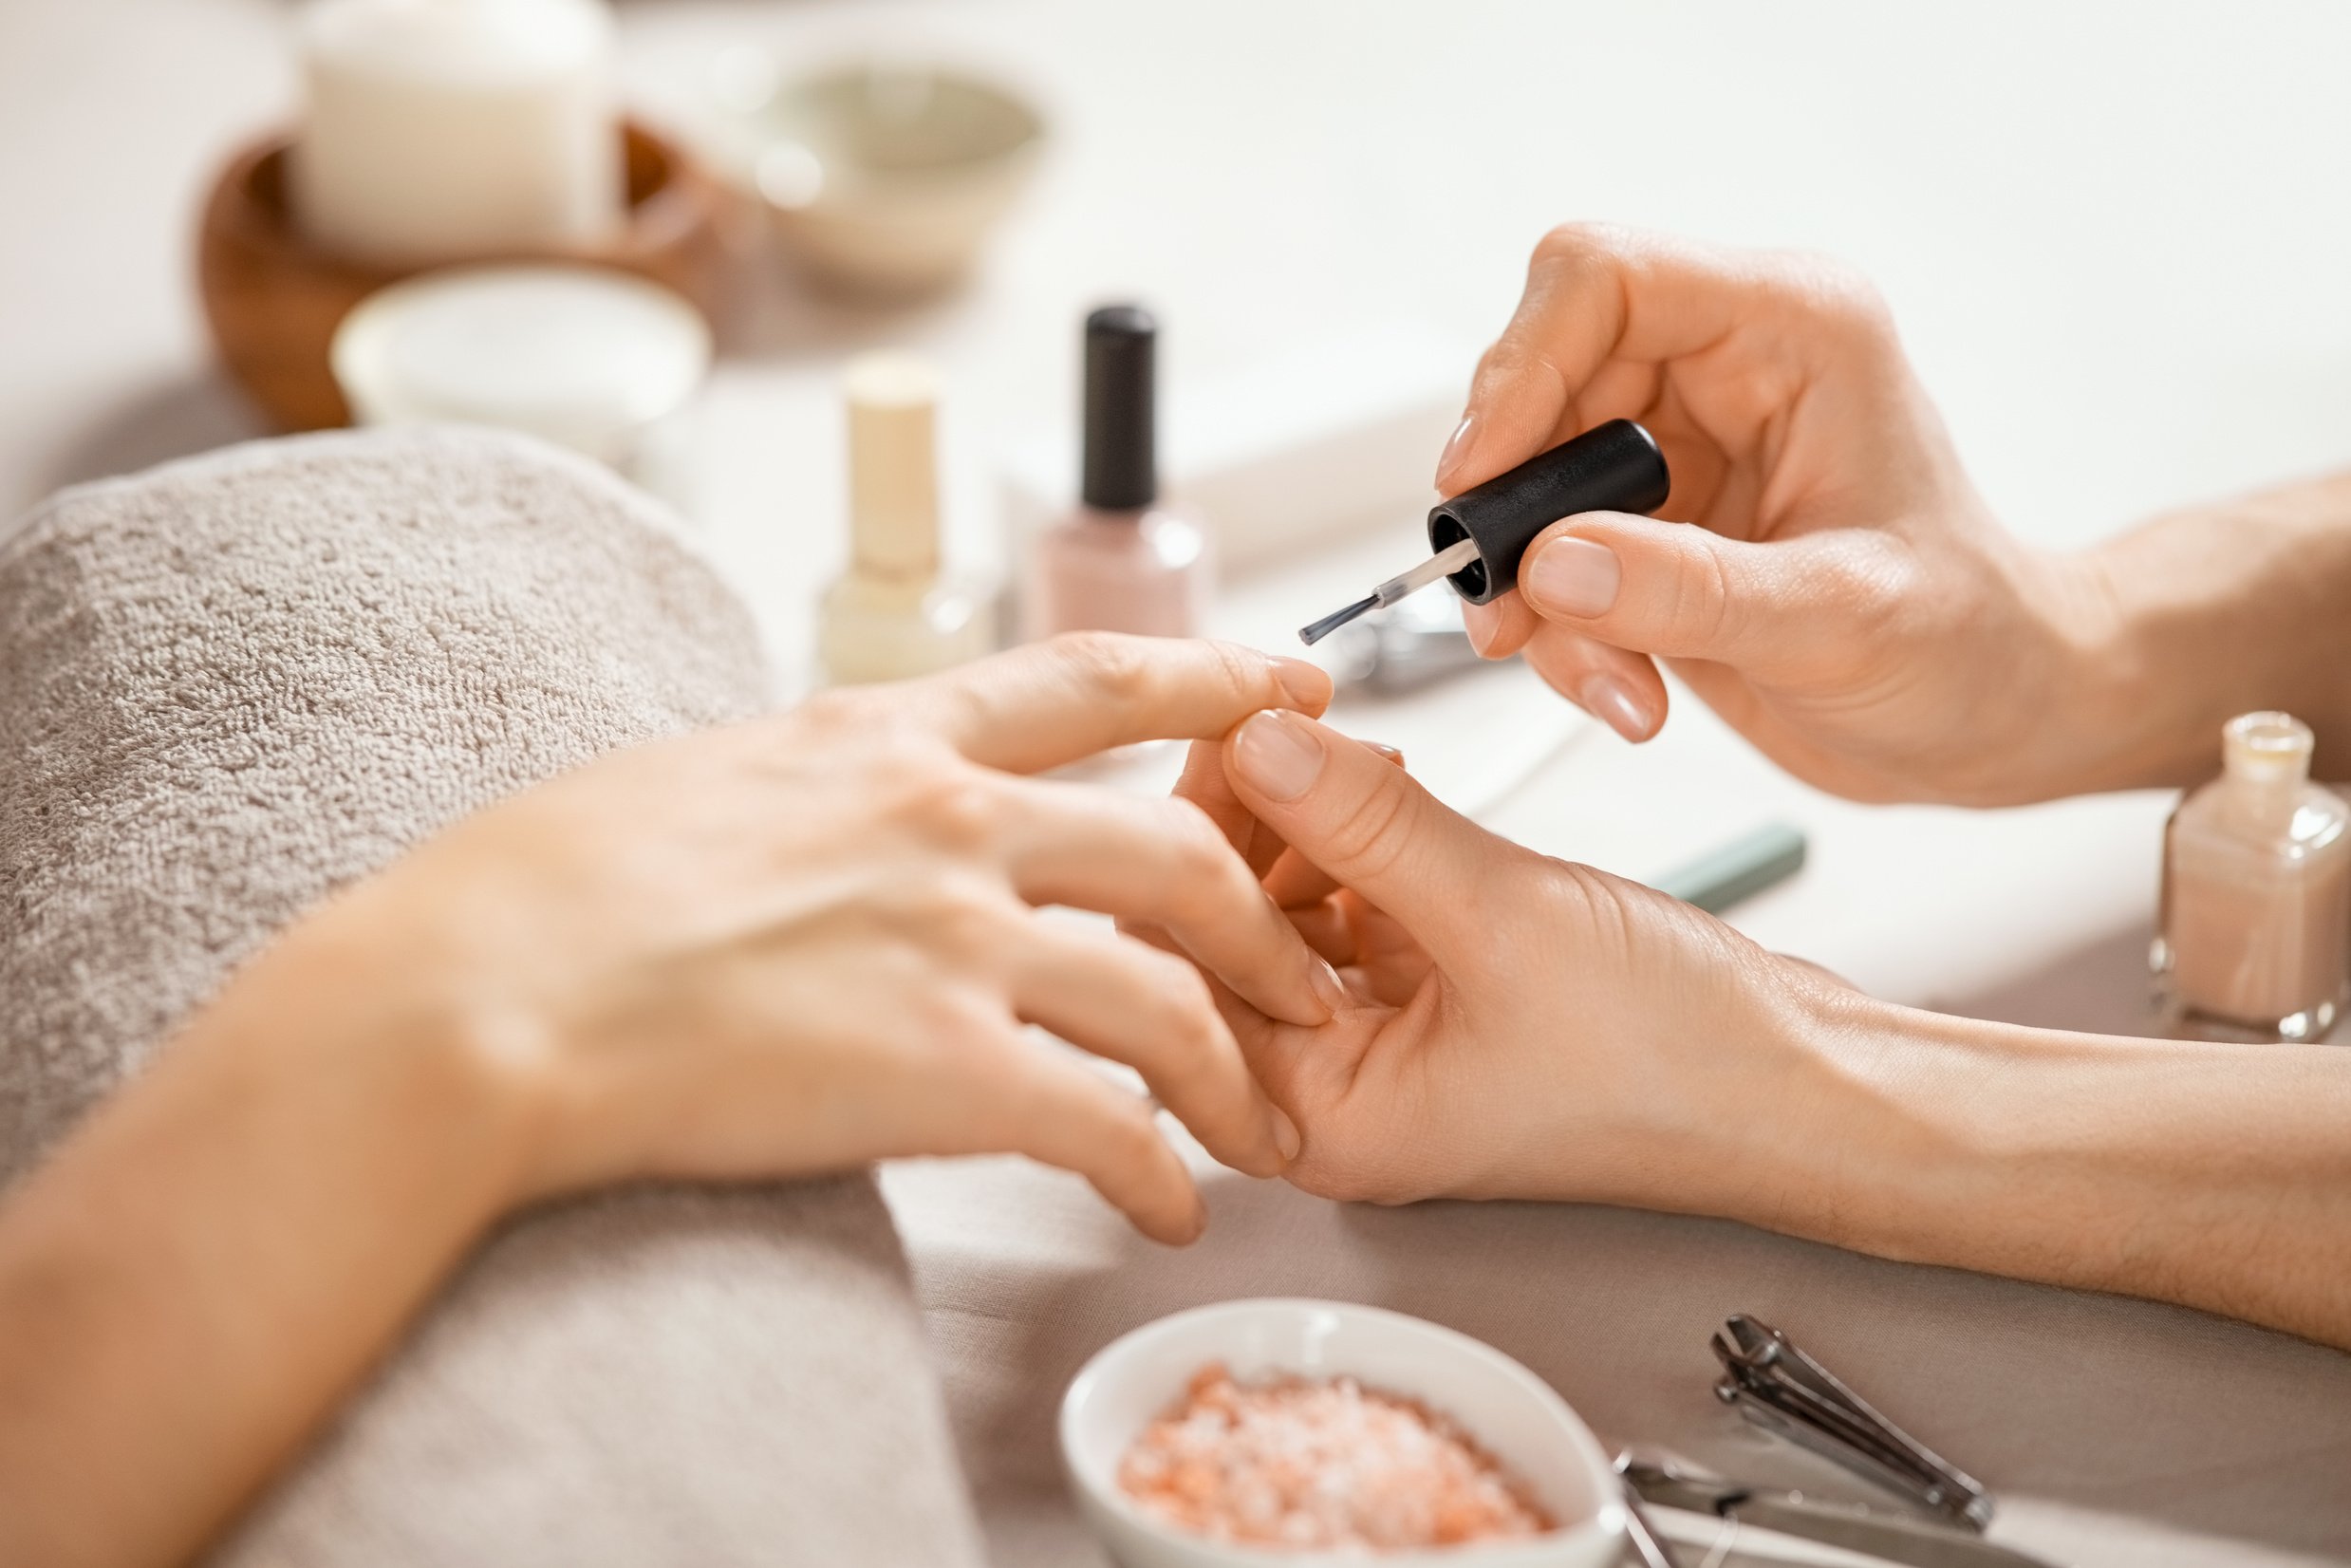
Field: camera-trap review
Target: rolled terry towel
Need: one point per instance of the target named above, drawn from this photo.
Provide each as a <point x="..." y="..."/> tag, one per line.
<point x="233" y="684"/>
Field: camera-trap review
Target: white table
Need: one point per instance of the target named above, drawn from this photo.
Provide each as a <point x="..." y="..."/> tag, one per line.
<point x="2115" y="236"/>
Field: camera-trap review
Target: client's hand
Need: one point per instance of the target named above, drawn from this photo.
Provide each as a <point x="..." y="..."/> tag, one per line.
<point x="1518" y="1026"/>
<point x="812" y="941"/>
<point x="1848" y="602"/>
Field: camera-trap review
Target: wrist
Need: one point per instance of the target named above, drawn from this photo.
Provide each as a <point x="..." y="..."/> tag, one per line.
<point x="2084" y="731"/>
<point x="2199" y="616"/>
<point x="369" y="1033"/>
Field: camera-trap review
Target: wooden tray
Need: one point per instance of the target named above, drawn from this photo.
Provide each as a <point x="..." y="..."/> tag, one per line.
<point x="274" y="301"/>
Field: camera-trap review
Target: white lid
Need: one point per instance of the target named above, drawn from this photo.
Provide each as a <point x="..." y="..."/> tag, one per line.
<point x="2266" y="747"/>
<point x="584" y="356"/>
<point x="893" y="402"/>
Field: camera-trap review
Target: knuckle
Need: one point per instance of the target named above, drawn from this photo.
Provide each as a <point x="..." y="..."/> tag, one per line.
<point x="1130" y="1132"/>
<point x="1243" y="671"/>
<point x="1703" y="609"/>
<point x="1371" y="834"/>
<point x="956" y="920"/>
<point x="1873" y="586"/>
<point x="1579" y="243"/>
<point x="835" y="711"/>
<point x="1838" y="294"/>
<point x="1115" y="666"/>
<point x="1181" y="998"/>
<point x="1197" y="846"/>
<point x="969" y="1020"/>
<point x="946" y="804"/>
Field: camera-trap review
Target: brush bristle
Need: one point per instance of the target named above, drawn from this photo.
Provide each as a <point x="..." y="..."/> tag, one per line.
<point x="1317" y="632"/>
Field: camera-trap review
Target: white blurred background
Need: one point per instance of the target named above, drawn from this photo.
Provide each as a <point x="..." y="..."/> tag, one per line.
<point x="2116" y="236"/>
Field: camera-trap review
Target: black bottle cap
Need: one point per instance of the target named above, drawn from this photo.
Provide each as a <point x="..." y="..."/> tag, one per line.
<point x="1613" y="467"/>
<point x="1120" y="473"/>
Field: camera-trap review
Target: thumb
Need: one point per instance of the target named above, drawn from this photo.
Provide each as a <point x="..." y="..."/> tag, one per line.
<point x="1681" y="591"/>
<point x="1368" y="823"/>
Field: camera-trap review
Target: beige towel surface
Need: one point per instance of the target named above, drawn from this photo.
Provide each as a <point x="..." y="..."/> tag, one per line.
<point x="230" y="687"/>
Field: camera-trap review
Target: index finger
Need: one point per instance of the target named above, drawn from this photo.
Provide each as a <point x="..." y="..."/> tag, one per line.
<point x="1058" y="701"/>
<point x="1603" y="310"/>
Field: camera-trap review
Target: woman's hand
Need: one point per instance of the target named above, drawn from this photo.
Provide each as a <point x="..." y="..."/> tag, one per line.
<point x="1517" y="1026"/>
<point x="812" y="940"/>
<point x="1847" y="602"/>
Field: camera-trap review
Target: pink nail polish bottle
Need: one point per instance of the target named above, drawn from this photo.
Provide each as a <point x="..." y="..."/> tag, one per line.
<point x="1120" y="561"/>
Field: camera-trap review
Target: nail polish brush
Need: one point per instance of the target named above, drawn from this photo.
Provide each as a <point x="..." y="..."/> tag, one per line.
<point x="1478" y="537"/>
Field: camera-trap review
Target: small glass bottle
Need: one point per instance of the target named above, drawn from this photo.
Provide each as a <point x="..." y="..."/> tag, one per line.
<point x="2254" y="934"/>
<point x="892" y="615"/>
<point x="1119" y="562"/>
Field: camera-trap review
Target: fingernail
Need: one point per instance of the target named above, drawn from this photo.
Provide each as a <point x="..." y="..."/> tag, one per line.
<point x="1456" y="448"/>
<point x="1386" y="750"/>
<point x="1277" y="755"/>
<point x="1286" y="1135"/>
<point x="1328" y="987"/>
<point x="1611" y="701"/>
<point x="1308" y="686"/>
<point x="1573" y="578"/>
<point x="1482" y="622"/>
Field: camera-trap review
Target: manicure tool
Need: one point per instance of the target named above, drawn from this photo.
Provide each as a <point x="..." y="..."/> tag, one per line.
<point x="1479" y="537"/>
<point x="1853" y="1527"/>
<point x="1780" y="1387"/>
<point x="1732" y="873"/>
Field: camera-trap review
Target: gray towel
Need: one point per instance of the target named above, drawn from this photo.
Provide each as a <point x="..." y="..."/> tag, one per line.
<point x="230" y="687"/>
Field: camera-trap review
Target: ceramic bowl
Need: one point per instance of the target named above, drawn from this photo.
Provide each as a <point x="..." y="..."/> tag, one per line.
<point x="1513" y="1415"/>
<point x="885" y="180"/>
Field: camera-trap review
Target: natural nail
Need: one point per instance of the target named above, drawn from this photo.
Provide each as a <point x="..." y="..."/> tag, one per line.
<point x="1386" y="750"/>
<point x="1611" y="701"/>
<point x="1277" y="754"/>
<point x="1328" y="987"/>
<point x="1286" y="1137"/>
<point x="1483" y="622"/>
<point x="1456" y="448"/>
<point x="1573" y="578"/>
<point x="1308" y="686"/>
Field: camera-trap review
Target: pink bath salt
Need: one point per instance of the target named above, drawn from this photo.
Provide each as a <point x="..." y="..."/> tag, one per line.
<point x="1306" y="1465"/>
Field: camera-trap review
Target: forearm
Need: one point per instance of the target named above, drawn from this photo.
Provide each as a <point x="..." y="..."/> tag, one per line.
<point x="192" y="1280"/>
<point x="2202" y="615"/>
<point x="2216" y="1176"/>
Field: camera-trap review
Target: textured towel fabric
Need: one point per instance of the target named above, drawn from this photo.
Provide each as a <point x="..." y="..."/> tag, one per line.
<point x="230" y="687"/>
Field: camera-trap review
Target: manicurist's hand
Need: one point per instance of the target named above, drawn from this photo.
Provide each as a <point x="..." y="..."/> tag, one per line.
<point x="1846" y="601"/>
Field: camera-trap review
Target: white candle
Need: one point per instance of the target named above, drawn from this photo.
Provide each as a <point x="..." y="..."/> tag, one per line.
<point x="440" y="129"/>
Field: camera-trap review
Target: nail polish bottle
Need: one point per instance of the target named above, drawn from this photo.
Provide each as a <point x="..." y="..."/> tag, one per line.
<point x="1120" y="562"/>
<point x="2254" y="935"/>
<point x="893" y="614"/>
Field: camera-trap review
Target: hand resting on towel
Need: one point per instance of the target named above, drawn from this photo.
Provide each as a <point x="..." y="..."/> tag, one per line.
<point x="774" y="950"/>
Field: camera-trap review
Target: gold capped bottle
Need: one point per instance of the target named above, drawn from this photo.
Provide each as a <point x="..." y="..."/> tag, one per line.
<point x="894" y="614"/>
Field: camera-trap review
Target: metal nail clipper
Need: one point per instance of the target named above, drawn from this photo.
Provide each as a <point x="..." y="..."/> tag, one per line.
<point x="1780" y="1387"/>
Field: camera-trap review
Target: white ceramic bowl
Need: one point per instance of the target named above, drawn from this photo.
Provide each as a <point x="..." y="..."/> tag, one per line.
<point x="1513" y="1415"/>
<point x="887" y="180"/>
